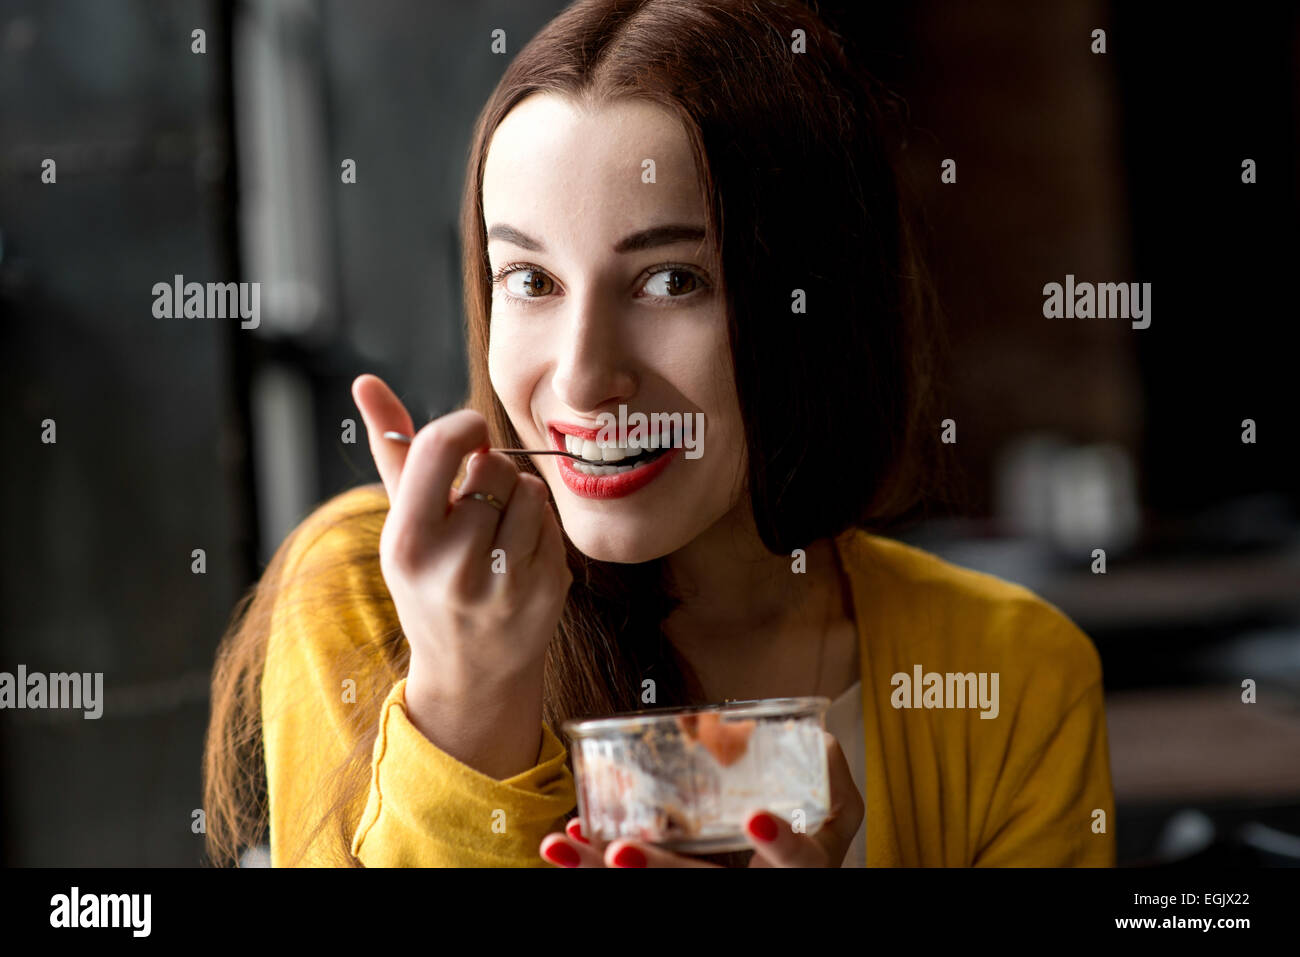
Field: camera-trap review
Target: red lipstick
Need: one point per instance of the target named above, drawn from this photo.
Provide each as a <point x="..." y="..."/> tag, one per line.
<point x="604" y="486"/>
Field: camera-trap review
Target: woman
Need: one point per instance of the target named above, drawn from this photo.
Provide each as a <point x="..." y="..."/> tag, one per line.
<point x="671" y="207"/>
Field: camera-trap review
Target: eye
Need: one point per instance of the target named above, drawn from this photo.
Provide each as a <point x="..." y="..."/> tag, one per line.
<point x="665" y="281"/>
<point x="535" y="284"/>
<point x="680" y="282"/>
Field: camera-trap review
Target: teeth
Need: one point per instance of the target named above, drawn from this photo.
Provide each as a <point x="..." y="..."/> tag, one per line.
<point x="595" y="451"/>
<point x="586" y="469"/>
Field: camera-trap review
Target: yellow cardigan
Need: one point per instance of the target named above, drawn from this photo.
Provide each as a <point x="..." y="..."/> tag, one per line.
<point x="944" y="787"/>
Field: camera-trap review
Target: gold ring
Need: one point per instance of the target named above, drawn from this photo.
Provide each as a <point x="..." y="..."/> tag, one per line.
<point x="484" y="497"/>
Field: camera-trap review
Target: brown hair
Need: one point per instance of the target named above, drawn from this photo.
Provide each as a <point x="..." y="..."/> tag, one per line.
<point x="795" y="153"/>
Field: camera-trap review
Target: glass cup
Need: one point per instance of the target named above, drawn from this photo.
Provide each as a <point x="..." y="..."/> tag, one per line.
<point x="684" y="778"/>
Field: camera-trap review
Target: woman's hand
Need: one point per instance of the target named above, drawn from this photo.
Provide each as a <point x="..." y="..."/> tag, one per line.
<point x="478" y="620"/>
<point x="775" y="843"/>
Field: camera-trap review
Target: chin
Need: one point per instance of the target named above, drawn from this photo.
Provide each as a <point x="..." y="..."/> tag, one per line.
<point x="621" y="548"/>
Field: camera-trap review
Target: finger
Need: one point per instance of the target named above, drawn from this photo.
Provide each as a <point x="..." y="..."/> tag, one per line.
<point x="634" y="854"/>
<point x="779" y="845"/>
<point x="382" y="411"/>
<point x="475" y="522"/>
<point x="575" y="832"/>
<point x="550" y="541"/>
<point x="521" y="523"/>
<point x="562" y="851"/>
<point x="424" y="493"/>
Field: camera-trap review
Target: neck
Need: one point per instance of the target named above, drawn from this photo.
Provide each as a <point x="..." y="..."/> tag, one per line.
<point x="733" y="588"/>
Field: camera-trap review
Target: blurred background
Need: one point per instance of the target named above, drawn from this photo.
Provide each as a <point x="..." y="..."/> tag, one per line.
<point x="1073" y="434"/>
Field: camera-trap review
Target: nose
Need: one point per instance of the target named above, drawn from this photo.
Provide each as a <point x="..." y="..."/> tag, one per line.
<point x="593" y="367"/>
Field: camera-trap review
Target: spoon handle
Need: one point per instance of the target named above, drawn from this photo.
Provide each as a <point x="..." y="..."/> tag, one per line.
<point x="402" y="437"/>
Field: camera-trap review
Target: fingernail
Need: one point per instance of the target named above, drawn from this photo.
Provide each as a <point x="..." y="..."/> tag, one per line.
<point x="575" y="831"/>
<point x="763" y="827"/>
<point x="561" y="854"/>
<point x="628" y="856"/>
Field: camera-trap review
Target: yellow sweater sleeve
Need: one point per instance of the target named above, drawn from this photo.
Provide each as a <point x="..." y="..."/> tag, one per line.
<point x="1053" y="805"/>
<point x="1063" y="813"/>
<point x="327" y="686"/>
<point x="426" y="809"/>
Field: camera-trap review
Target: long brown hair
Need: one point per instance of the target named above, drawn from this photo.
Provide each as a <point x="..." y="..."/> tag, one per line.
<point x="796" y="156"/>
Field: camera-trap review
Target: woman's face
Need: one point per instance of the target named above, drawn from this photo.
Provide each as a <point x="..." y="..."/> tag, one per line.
<point x="589" y="317"/>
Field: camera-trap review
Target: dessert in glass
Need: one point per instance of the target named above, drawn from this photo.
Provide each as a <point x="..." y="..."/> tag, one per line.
<point x="685" y="778"/>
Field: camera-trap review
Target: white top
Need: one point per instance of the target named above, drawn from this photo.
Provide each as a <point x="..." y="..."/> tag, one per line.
<point x="844" y="720"/>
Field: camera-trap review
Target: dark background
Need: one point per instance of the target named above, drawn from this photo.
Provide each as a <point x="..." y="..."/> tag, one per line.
<point x="183" y="434"/>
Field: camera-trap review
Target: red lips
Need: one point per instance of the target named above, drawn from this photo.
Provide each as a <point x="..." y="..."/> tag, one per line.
<point x="578" y="431"/>
<point x="617" y="485"/>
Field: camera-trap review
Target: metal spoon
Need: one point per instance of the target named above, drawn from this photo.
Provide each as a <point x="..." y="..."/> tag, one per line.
<point x="402" y="437"/>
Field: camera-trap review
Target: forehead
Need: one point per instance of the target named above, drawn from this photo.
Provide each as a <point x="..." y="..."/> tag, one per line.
<point x="568" y="174"/>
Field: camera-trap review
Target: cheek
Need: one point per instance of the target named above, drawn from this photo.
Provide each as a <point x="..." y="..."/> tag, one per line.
<point x="496" y="372"/>
<point x="724" y="400"/>
<point x="728" y="436"/>
<point x="508" y="368"/>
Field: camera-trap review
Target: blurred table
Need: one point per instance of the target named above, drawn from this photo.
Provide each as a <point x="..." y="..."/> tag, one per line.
<point x="1202" y="744"/>
<point x="1168" y="592"/>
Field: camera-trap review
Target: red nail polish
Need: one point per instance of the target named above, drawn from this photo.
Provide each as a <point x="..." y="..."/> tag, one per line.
<point x="763" y="827"/>
<point x="561" y="854"/>
<point x="629" y="856"/>
<point x="574" y="828"/>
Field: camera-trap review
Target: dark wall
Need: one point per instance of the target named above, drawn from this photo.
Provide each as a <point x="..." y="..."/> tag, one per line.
<point x="99" y="526"/>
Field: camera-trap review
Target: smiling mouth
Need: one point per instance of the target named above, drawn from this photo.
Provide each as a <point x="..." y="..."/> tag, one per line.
<point x="612" y="459"/>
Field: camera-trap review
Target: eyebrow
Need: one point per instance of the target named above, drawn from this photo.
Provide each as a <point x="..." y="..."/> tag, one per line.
<point x="665" y="235"/>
